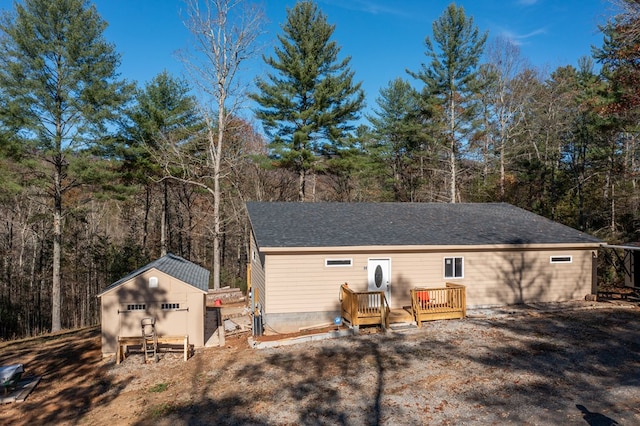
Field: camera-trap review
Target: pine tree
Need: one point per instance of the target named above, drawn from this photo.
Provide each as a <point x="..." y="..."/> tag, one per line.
<point x="164" y="113"/>
<point x="59" y="88"/>
<point x="400" y="139"/>
<point x="450" y="75"/>
<point x="308" y="104"/>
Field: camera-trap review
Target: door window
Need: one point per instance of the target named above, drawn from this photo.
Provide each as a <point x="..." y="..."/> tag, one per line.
<point x="378" y="276"/>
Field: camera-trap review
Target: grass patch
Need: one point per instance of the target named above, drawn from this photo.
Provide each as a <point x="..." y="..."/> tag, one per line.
<point x="160" y="387"/>
<point x="160" y="410"/>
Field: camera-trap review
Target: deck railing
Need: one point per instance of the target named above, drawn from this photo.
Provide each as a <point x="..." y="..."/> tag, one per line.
<point x="429" y="304"/>
<point x="364" y="308"/>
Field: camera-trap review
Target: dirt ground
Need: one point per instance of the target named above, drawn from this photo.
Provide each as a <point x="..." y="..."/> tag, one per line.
<point x="567" y="364"/>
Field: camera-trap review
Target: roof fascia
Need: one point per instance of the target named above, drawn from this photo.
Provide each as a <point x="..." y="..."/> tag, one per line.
<point x="109" y="290"/>
<point x="429" y="248"/>
<point x="614" y="246"/>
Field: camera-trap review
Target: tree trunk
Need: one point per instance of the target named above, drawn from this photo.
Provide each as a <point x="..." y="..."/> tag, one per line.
<point x="301" y="178"/>
<point x="502" y="169"/>
<point x="452" y="147"/>
<point x="217" y="193"/>
<point x="145" y="223"/>
<point x="56" y="324"/>
<point x="165" y="222"/>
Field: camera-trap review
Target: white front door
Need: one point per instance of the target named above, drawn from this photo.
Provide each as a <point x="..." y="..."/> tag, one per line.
<point x="379" y="271"/>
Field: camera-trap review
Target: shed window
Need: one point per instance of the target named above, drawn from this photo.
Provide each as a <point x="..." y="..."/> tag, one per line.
<point x="136" y="307"/>
<point x="168" y="306"/>
<point x="561" y="259"/>
<point x="337" y="262"/>
<point x="453" y="267"/>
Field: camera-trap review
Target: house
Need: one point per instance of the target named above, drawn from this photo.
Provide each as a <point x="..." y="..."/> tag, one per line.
<point x="170" y="289"/>
<point x="301" y="253"/>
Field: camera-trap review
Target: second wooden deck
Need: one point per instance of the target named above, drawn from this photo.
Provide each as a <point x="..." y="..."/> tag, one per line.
<point x="427" y="304"/>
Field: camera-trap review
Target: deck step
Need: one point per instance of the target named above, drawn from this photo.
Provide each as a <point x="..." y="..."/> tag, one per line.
<point x="399" y="326"/>
<point x="399" y="316"/>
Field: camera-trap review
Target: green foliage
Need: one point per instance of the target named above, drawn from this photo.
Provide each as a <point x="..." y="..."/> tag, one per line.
<point x="160" y="410"/>
<point x="400" y="139"/>
<point x="125" y="258"/>
<point x="59" y="79"/>
<point x="450" y="78"/>
<point x="59" y="91"/>
<point x="308" y="104"/>
<point x="455" y="56"/>
<point x="160" y="387"/>
<point x="164" y="113"/>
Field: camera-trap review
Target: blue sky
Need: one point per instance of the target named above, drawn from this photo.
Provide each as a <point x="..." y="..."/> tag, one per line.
<point x="383" y="37"/>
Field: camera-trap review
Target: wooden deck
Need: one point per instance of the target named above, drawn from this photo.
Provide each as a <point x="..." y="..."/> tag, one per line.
<point x="431" y="304"/>
<point x="364" y="308"/>
<point x="427" y="304"/>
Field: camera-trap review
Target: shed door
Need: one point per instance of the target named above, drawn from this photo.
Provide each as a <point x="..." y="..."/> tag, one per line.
<point x="380" y="277"/>
<point x="172" y="322"/>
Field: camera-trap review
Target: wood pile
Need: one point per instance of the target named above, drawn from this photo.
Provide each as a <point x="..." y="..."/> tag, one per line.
<point x="225" y="296"/>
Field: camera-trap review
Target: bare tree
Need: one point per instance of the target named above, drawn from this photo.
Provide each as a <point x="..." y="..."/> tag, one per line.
<point x="508" y="98"/>
<point x="224" y="35"/>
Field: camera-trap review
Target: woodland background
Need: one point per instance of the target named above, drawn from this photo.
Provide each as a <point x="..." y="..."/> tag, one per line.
<point x="132" y="170"/>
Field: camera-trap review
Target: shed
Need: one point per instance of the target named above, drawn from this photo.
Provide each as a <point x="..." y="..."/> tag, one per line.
<point x="301" y="253"/>
<point x="170" y="289"/>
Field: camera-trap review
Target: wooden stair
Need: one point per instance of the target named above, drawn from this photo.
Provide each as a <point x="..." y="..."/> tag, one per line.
<point x="400" y="315"/>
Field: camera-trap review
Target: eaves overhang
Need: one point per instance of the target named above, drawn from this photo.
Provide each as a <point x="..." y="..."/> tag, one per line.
<point x="428" y="248"/>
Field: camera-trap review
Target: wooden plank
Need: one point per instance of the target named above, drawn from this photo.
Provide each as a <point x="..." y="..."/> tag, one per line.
<point x="27" y="388"/>
<point x="441" y="316"/>
<point x="186" y="347"/>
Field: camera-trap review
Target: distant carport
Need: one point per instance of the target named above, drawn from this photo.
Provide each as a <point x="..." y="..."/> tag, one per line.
<point x="629" y="262"/>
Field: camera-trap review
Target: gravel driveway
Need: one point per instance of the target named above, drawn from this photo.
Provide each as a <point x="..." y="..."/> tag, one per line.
<point x="537" y="366"/>
<point x="568" y="364"/>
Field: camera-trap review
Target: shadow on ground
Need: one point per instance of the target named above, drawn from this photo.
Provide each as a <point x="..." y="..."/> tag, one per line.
<point x="549" y="368"/>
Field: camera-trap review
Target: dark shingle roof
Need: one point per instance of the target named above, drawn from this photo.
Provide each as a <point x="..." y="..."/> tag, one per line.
<point x="174" y="266"/>
<point x="281" y="224"/>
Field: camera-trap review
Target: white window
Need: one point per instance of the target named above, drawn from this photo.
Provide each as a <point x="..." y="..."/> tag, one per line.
<point x="561" y="259"/>
<point x="453" y="267"/>
<point x="338" y="262"/>
<point x="169" y="306"/>
<point x="136" y="307"/>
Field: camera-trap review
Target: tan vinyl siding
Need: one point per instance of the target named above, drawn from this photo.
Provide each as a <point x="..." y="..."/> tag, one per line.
<point x="257" y="273"/>
<point x="526" y="276"/>
<point x="302" y="283"/>
<point x="117" y="320"/>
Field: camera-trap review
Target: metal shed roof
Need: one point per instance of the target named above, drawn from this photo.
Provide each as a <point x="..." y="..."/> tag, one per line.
<point x="172" y="265"/>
